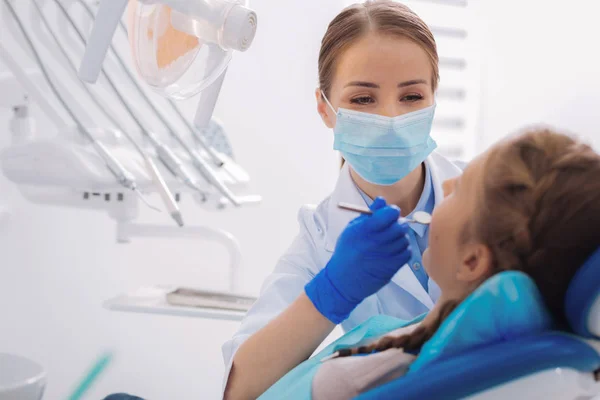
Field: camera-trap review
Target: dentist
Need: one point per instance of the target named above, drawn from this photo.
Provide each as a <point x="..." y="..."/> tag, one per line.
<point x="378" y="73"/>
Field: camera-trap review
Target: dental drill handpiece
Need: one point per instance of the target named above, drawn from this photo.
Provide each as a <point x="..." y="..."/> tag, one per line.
<point x="123" y="177"/>
<point x="199" y="163"/>
<point x="165" y="193"/>
<point x="174" y="164"/>
<point x="211" y="176"/>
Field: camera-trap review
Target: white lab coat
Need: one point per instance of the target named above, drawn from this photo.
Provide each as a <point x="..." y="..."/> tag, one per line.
<point x="404" y="297"/>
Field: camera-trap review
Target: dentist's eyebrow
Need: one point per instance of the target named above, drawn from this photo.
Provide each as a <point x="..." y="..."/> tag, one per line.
<point x="363" y="84"/>
<point x="412" y="82"/>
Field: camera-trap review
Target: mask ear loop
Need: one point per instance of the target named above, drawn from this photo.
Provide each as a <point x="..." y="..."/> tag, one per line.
<point x="328" y="103"/>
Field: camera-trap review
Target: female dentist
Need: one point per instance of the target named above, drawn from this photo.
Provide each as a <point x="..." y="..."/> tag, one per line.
<point x="378" y="72"/>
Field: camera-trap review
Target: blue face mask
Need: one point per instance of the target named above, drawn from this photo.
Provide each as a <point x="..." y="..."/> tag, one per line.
<point x="383" y="150"/>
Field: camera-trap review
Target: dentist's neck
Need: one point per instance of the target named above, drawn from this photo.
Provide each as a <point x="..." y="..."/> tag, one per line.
<point x="405" y="193"/>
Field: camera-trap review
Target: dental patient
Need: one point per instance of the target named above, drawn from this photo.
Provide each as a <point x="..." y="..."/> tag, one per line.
<point x="529" y="204"/>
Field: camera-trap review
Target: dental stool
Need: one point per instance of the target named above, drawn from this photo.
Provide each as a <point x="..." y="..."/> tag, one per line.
<point x="546" y="365"/>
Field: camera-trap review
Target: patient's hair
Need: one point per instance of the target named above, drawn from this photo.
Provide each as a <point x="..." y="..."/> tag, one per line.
<point x="383" y="16"/>
<point x="539" y="213"/>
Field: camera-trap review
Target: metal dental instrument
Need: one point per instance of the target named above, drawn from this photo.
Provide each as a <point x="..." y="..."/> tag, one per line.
<point x="123" y="177"/>
<point x="419" y="217"/>
<point x="199" y="162"/>
<point x="163" y="189"/>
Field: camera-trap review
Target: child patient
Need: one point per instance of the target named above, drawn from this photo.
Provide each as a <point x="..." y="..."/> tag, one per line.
<point x="531" y="204"/>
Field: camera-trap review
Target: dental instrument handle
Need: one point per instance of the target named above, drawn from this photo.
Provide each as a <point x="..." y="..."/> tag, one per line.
<point x="173" y="163"/>
<point x="355" y="208"/>
<point x="164" y="191"/>
<point x="211" y="176"/>
<point x="420" y="217"/>
<point x="106" y="21"/>
<point x="124" y="177"/>
<point x="176" y="166"/>
<point x="207" y="171"/>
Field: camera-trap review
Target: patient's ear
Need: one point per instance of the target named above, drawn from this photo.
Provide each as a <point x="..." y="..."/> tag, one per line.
<point x="476" y="263"/>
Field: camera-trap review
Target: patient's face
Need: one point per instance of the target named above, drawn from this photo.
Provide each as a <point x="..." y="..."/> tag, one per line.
<point x="451" y="242"/>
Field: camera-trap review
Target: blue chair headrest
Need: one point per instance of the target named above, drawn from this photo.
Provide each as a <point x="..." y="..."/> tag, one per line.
<point x="582" y="302"/>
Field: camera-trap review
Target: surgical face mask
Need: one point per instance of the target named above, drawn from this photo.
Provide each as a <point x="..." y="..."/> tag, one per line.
<point x="383" y="150"/>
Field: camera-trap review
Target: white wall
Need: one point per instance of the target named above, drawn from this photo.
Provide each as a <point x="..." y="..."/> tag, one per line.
<point x="59" y="265"/>
<point x="542" y="65"/>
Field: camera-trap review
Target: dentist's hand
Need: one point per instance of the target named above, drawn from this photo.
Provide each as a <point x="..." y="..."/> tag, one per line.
<point x="367" y="255"/>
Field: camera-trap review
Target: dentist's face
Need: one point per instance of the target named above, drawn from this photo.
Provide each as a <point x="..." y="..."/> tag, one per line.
<point x="380" y="74"/>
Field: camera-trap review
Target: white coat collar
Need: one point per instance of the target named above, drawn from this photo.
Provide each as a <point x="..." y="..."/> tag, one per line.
<point x="346" y="191"/>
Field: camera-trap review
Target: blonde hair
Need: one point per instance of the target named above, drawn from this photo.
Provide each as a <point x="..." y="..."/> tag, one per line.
<point x="385" y="17"/>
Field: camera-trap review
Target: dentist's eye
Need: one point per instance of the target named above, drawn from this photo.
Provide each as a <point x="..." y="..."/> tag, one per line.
<point x="363" y="100"/>
<point x="412" y="97"/>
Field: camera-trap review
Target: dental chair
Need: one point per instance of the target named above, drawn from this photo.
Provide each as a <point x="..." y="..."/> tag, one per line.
<point x="549" y="365"/>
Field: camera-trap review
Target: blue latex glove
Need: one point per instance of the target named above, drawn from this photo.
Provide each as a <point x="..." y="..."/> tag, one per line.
<point x="367" y="255"/>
